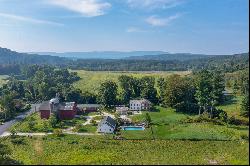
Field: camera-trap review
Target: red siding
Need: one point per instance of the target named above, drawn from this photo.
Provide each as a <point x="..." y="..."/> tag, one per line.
<point x="44" y="114"/>
<point x="90" y="109"/>
<point x="67" y="114"/>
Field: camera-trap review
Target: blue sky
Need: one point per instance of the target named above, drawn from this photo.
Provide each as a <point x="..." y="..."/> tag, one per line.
<point x="194" y="26"/>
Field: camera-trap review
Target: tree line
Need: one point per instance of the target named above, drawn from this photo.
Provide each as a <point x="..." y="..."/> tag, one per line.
<point x="12" y="63"/>
<point x="198" y="93"/>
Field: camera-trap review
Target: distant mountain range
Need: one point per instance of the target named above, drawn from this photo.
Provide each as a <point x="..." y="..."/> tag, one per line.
<point x="8" y="56"/>
<point x="100" y="54"/>
<point x="133" y="55"/>
<point x="11" y="61"/>
<point x="168" y="56"/>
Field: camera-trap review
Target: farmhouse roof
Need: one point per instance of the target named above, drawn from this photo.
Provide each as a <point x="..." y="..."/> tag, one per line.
<point x="141" y="101"/>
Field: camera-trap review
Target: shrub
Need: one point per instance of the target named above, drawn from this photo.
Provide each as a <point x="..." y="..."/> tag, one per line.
<point x="220" y="114"/>
<point x="94" y="123"/>
<point x="53" y="121"/>
<point x="77" y="127"/>
<point x="58" y="132"/>
<point x="46" y="126"/>
<point x="4" y="151"/>
<point x="236" y="121"/>
<point x="18" y="141"/>
<point x="244" y="136"/>
<point x="13" y="132"/>
<point x="32" y="123"/>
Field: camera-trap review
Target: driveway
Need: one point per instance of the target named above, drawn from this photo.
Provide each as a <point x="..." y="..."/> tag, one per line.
<point x="7" y="125"/>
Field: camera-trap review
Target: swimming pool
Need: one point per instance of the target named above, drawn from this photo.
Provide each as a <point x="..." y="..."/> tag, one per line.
<point x="133" y="128"/>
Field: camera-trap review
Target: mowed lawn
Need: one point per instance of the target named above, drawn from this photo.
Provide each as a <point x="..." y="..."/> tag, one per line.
<point x="233" y="106"/>
<point x="71" y="149"/>
<point x="167" y="124"/>
<point x="91" y="80"/>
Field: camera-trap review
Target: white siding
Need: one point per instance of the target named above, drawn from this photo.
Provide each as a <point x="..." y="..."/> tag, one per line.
<point x="104" y="128"/>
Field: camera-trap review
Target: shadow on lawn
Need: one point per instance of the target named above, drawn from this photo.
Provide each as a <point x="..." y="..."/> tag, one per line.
<point x="229" y="100"/>
<point x="9" y="161"/>
<point x="154" y="109"/>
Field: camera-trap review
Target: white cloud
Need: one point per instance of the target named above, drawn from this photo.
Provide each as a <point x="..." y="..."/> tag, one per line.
<point x="154" y="4"/>
<point x="134" y="29"/>
<point x="28" y="19"/>
<point x="87" y="8"/>
<point x="157" y="21"/>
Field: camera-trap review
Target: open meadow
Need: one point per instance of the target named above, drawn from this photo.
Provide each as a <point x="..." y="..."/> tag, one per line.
<point x="91" y="80"/>
<point x="72" y="149"/>
<point x="3" y="79"/>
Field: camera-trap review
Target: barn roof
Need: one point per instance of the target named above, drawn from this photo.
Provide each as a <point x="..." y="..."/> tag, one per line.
<point x="45" y="106"/>
<point x="89" y="105"/>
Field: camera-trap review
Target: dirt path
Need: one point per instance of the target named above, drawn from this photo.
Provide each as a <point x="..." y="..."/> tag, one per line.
<point x="39" y="150"/>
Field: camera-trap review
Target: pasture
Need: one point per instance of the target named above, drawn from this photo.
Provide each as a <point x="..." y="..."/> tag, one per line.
<point x="167" y="124"/>
<point x="3" y="79"/>
<point x="91" y="80"/>
<point x="72" y="149"/>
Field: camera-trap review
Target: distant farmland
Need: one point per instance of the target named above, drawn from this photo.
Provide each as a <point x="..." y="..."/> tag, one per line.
<point x="3" y="79"/>
<point x="91" y="80"/>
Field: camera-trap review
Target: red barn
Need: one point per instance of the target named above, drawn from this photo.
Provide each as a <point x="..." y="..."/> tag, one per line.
<point x="67" y="111"/>
<point x="45" y="110"/>
<point x="64" y="111"/>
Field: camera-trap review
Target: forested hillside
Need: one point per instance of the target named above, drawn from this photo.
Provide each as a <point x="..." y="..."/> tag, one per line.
<point x="165" y="57"/>
<point x="11" y="62"/>
<point x="11" y="57"/>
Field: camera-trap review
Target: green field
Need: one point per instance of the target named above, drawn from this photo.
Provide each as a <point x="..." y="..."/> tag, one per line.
<point x="167" y="124"/>
<point x="3" y="79"/>
<point x="232" y="107"/>
<point x="91" y="80"/>
<point x="71" y="149"/>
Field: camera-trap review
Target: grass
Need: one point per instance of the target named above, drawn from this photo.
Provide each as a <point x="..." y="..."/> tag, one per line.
<point x="167" y="124"/>
<point x="91" y="80"/>
<point x="232" y="107"/>
<point x="79" y="150"/>
<point x="87" y="129"/>
<point x="3" y="79"/>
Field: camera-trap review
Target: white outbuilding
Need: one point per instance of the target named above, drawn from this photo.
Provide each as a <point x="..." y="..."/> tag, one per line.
<point x="107" y="125"/>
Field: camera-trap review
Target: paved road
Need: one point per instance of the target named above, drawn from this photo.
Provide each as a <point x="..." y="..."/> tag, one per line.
<point x="7" y="125"/>
<point x="5" y="134"/>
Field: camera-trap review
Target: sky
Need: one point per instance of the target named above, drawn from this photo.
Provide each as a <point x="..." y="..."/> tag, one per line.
<point x="175" y="26"/>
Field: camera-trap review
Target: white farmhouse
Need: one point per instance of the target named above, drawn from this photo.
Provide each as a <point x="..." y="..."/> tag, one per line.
<point x="138" y="105"/>
<point x="106" y="125"/>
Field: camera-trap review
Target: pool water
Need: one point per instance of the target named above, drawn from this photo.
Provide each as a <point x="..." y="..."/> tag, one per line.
<point x="132" y="128"/>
